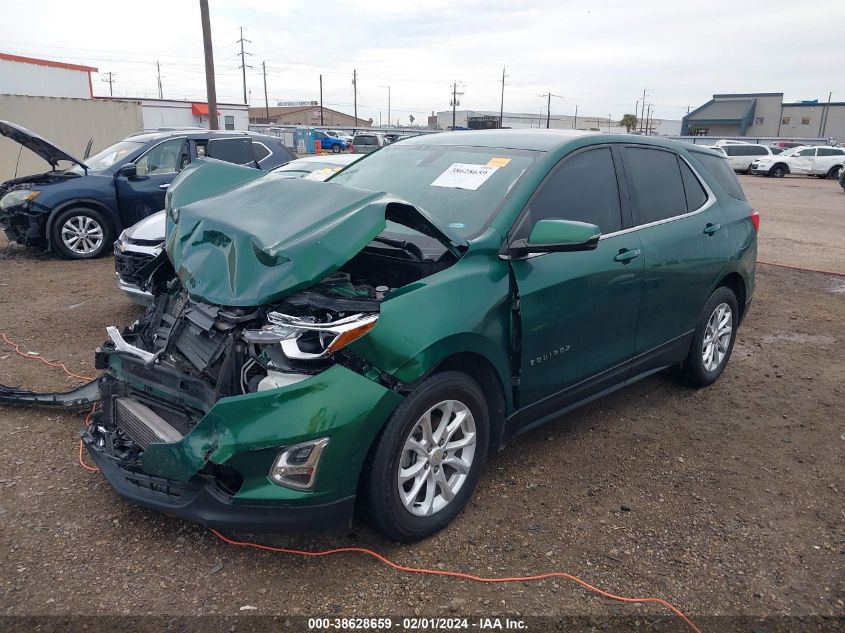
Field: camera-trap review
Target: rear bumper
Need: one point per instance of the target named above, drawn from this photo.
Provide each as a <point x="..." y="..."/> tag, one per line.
<point x="200" y="500"/>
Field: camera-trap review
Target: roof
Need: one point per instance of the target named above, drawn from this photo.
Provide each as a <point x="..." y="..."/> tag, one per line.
<point x="536" y="139"/>
<point x="747" y="94"/>
<point x="729" y="110"/>
<point x="46" y="62"/>
<point x="276" y="111"/>
<point x="144" y="137"/>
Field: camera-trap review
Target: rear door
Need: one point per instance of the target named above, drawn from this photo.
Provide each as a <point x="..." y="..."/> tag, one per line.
<point x="577" y="310"/>
<point x="679" y="222"/>
<point x="826" y="159"/>
<point x="143" y="194"/>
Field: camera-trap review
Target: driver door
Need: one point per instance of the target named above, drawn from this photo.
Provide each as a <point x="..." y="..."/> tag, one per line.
<point x="802" y="162"/>
<point x="143" y="194"/>
<point x="578" y="310"/>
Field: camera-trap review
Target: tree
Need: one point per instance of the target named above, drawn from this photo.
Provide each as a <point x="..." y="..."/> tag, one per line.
<point x="629" y="122"/>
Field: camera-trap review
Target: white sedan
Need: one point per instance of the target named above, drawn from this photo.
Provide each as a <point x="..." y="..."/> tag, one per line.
<point x="824" y="162"/>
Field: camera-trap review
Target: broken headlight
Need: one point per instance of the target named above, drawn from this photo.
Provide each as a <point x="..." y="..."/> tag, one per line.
<point x="17" y="198"/>
<point x="302" y="339"/>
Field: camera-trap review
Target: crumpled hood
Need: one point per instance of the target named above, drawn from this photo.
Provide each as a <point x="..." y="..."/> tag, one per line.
<point x="41" y="146"/>
<point x="242" y="237"/>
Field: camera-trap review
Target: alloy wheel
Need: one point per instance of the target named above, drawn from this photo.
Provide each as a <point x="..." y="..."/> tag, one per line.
<point x="717" y="337"/>
<point x="436" y="458"/>
<point x="82" y="234"/>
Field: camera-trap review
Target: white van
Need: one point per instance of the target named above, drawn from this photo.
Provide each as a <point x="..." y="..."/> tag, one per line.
<point x="741" y="155"/>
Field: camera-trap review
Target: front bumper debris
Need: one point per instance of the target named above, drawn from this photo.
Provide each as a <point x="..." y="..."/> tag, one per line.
<point x="202" y="500"/>
<point x="88" y="393"/>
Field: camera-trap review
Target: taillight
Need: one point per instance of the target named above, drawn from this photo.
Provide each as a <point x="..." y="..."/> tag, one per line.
<point x="755" y="220"/>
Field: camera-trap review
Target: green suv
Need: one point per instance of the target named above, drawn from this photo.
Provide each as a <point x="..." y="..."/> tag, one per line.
<point x="365" y="343"/>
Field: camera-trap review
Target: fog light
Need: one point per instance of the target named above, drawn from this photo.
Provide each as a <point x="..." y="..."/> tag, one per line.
<point x="296" y="466"/>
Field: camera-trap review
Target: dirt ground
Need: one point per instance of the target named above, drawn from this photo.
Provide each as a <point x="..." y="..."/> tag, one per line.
<point x="726" y="501"/>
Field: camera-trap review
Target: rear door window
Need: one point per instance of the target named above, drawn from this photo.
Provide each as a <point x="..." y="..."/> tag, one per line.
<point x="657" y="188"/>
<point x="232" y="150"/>
<point x="830" y="151"/>
<point x="722" y="171"/>
<point x="757" y="150"/>
<point x="583" y="188"/>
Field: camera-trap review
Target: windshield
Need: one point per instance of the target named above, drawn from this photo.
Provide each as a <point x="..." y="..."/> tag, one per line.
<point x="108" y="157"/>
<point x="314" y="170"/>
<point x="461" y="187"/>
<point x="793" y="151"/>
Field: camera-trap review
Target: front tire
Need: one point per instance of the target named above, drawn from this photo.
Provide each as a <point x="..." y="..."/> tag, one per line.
<point x="427" y="460"/>
<point x="81" y="233"/>
<point x="336" y="149"/>
<point x="713" y="340"/>
<point x="778" y="171"/>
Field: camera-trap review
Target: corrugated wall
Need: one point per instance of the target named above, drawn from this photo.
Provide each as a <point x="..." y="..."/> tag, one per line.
<point x="69" y="123"/>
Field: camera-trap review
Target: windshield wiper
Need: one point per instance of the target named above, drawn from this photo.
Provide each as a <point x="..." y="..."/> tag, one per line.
<point x="408" y="247"/>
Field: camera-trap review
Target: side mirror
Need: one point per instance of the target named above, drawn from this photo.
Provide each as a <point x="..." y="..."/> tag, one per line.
<point x="556" y="236"/>
<point x="129" y="170"/>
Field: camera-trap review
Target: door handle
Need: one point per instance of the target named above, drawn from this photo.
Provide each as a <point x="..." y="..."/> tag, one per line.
<point x="625" y="256"/>
<point x="710" y="229"/>
<point x="164" y="186"/>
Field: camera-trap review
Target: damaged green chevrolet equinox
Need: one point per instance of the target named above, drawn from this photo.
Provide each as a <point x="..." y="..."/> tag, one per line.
<point x="365" y="343"/>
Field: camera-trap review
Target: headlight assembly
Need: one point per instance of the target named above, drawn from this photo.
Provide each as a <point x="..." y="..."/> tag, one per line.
<point x="17" y="198"/>
<point x="308" y="340"/>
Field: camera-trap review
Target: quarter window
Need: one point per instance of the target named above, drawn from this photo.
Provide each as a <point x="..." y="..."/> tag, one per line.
<point x="656" y="184"/>
<point x="696" y="196"/>
<point x="583" y="189"/>
<point x="259" y="151"/>
<point x="721" y="170"/>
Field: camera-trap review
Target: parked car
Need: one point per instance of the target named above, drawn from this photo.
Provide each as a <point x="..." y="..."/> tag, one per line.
<point x="842" y="179"/>
<point x="368" y="142"/>
<point x="716" y="148"/>
<point x="330" y="143"/>
<point x="741" y="155"/>
<point x="824" y="162"/>
<point x="77" y="211"/>
<point x="140" y="243"/>
<point x="409" y="316"/>
<point x="346" y="137"/>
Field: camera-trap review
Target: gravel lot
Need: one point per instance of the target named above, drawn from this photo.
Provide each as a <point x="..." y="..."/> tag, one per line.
<point x="726" y="501"/>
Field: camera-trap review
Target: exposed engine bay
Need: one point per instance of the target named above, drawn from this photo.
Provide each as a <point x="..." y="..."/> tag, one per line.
<point x="188" y="354"/>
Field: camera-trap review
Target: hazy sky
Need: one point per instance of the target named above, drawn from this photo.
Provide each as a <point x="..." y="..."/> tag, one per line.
<point x="597" y="54"/>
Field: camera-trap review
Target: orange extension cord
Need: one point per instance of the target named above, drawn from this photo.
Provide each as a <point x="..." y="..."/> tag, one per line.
<point x="376" y="555"/>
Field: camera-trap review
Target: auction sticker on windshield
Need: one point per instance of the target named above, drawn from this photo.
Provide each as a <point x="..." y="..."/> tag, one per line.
<point x="464" y="176"/>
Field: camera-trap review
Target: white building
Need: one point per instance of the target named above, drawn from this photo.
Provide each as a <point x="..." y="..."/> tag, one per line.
<point x="172" y="113"/>
<point x="517" y="120"/>
<point x="44" y="78"/>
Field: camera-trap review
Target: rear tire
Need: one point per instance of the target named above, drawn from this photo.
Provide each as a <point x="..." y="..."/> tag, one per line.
<point x="834" y="172"/>
<point x="411" y="467"/>
<point x="81" y="233"/>
<point x="713" y="340"/>
<point x="336" y="149"/>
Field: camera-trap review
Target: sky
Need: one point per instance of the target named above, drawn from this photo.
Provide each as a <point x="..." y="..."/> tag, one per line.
<point x="598" y="55"/>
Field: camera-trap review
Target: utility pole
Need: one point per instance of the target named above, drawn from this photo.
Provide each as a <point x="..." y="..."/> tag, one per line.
<point x="502" y="105"/>
<point x="243" y="64"/>
<point x="643" y="115"/>
<point x="321" y="99"/>
<point x="110" y="80"/>
<point x="647" y="119"/>
<point x="608" y="124"/>
<point x="389" y="121"/>
<point x="211" y="89"/>
<point x="455" y="102"/>
<point x="355" y="95"/>
<point x="549" y="111"/>
<point x="575" y="123"/>
<point x="266" y="104"/>
<point x="823" y="122"/>
<point x="158" y="72"/>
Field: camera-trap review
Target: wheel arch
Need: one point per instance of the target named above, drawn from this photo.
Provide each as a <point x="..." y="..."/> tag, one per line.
<point x="484" y="373"/>
<point x="736" y="284"/>
<point x="86" y="203"/>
